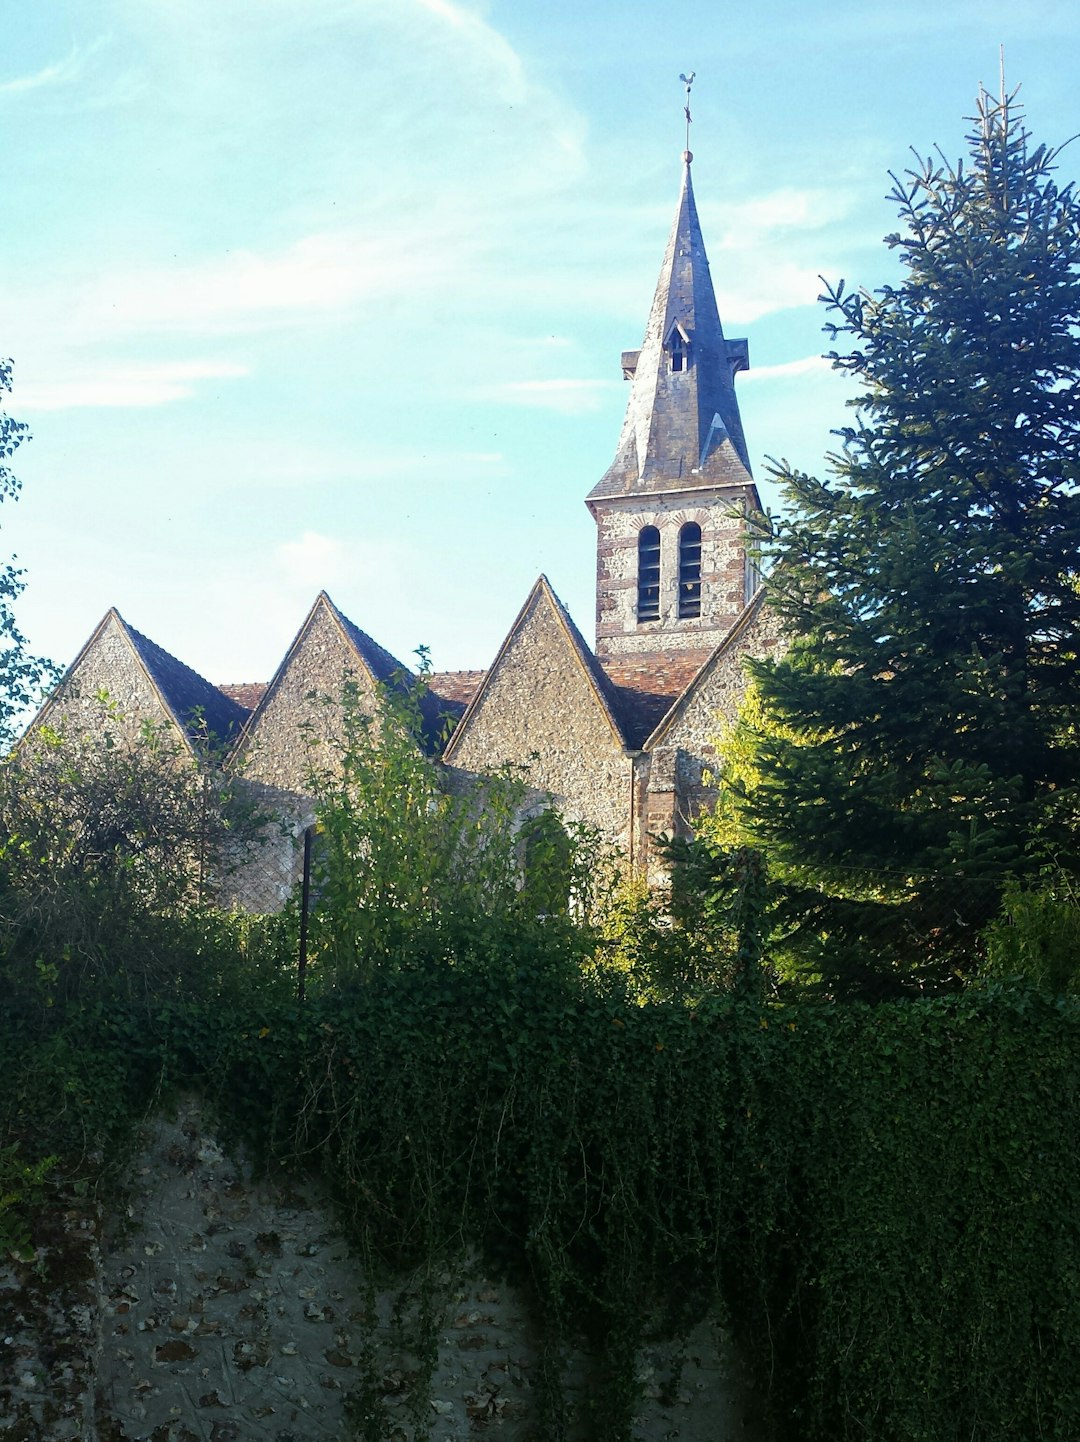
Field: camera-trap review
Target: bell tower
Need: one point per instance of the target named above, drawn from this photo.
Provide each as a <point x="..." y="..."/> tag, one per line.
<point x="672" y="570"/>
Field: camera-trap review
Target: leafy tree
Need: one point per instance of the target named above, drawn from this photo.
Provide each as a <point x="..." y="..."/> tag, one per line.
<point x="415" y="865"/>
<point x="1036" y="938"/>
<point x="918" y="744"/>
<point x="113" y="844"/>
<point x="21" y="675"/>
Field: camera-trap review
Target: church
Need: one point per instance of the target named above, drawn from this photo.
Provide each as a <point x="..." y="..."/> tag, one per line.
<point x="617" y="735"/>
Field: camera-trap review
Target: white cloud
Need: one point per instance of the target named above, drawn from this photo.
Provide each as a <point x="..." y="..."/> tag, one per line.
<point x="61" y="72"/>
<point x="740" y="223"/>
<point x="250" y="290"/>
<point x="807" y="365"/>
<point x="567" y="397"/>
<point x="488" y="47"/>
<point x="149" y="384"/>
<point x="761" y="286"/>
<point x="313" y="561"/>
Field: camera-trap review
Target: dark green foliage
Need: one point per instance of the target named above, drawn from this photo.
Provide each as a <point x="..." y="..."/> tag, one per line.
<point x="22" y="1187"/>
<point x="919" y="742"/>
<point x="111" y="840"/>
<point x="885" y="1198"/>
<point x="915" y="1239"/>
<point x="883" y="1201"/>
<point x="413" y="863"/>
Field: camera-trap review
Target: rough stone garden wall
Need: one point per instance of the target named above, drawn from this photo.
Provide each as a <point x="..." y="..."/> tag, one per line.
<point x="223" y="1308"/>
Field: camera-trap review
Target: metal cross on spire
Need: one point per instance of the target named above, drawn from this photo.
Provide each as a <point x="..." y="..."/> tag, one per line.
<point x="687" y="80"/>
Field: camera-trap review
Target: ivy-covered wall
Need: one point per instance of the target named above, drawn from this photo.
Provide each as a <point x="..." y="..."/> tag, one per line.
<point x="884" y="1200"/>
<point x="882" y="1204"/>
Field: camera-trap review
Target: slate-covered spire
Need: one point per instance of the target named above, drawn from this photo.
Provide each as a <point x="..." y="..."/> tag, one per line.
<point x="682" y="429"/>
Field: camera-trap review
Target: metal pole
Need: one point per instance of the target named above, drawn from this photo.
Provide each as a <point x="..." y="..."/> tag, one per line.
<point x="305" y="900"/>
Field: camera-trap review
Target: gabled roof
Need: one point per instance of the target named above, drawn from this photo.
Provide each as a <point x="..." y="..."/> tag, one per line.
<point x="743" y="623"/>
<point x="646" y="686"/>
<point x="385" y="668"/>
<point x="199" y="709"/>
<point x="194" y="702"/>
<point x="599" y="684"/>
<point x="375" y="660"/>
<point x="379" y="662"/>
<point x="682" y="429"/>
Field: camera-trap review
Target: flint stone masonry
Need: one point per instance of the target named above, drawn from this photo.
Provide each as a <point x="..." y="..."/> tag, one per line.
<point x="262" y="879"/>
<point x="299" y="720"/>
<point x="227" y="1309"/>
<point x="711" y="705"/>
<point x="109" y="666"/>
<point x="539" y="709"/>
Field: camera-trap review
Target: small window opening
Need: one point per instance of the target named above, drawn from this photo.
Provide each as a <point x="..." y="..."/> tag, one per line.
<point x="689" y="571"/>
<point x="648" y="574"/>
<point x="678" y="352"/>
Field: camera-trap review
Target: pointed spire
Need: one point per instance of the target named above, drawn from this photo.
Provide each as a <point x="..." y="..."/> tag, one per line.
<point x="682" y="429"/>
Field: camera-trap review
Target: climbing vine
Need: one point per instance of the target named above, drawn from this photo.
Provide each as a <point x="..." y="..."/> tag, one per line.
<point x="881" y="1202"/>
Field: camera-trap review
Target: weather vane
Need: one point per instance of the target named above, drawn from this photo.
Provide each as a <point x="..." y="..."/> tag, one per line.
<point x="687" y="80"/>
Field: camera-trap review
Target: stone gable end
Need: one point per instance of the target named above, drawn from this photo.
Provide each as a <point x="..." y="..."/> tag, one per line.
<point x="709" y="707"/>
<point x="538" y="709"/>
<point x="305" y="696"/>
<point x="107" y="665"/>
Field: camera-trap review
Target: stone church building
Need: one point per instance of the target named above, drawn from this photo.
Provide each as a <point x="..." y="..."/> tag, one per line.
<point x="617" y="735"/>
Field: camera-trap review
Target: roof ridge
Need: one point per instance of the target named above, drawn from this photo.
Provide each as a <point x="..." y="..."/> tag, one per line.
<point x="586" y="658"/>
<point x="590" y="660"/>
<point x="382" y="663"/>
<point x="183" y="689"/>
<point x="728" y="640"/>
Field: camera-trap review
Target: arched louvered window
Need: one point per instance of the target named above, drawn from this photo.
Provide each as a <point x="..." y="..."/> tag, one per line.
<point x="689" y="571"/>
<point x="648" y="574"/>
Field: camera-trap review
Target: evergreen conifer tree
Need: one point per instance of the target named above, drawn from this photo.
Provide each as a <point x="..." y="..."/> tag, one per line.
<point x="919" y="743"/>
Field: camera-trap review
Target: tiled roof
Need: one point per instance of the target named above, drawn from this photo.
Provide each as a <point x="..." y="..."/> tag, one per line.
<point x="380" y="662"/>
<point x="449" y="693"/>
<point x="193" y="700"/>
<point x="245" y="693"/>
<point x="646" y="686"/>
<point x="456" y="687"/>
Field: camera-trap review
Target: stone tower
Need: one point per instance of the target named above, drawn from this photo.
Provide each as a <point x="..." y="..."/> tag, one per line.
<point x="672" y="571"/>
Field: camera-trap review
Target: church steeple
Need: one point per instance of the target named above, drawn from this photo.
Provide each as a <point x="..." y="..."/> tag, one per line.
<point x="682" y="429"/>
<point x="672" y="568"/>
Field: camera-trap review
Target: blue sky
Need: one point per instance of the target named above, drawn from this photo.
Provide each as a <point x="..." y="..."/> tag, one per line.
<point x="334" y="294"/>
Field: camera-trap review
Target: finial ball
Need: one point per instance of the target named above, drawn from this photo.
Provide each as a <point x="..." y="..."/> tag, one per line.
<point x="688" y="156"/>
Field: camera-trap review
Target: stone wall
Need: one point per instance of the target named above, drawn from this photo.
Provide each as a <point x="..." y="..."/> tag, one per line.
<point x="539" y="710"/>
<point x="108" y="667"/>
<point x="261" y="875"/>
<point x="685" y="747"/>
<point x="276" y="749"/>
<point x="723" y="571"/>
<point x="228" y="1309"/>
